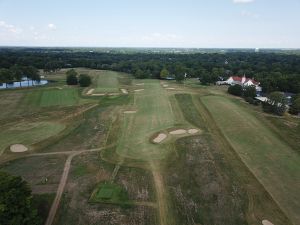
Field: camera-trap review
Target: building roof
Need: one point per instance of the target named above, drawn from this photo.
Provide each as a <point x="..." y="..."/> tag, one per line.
<point x="240" y="79"/>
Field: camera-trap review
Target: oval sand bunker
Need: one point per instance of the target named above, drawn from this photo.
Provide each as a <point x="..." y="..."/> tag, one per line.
<point x="18" y="148"/>
<point x="160" y="138"/>
<point x="193" y="131"/>
<point x="180" y="131"/>
<point x="266" y="222"/>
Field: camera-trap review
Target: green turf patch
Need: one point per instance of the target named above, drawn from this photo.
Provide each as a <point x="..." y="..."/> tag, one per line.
<point x="110" y="193"/>
<point x="28" y="133"/>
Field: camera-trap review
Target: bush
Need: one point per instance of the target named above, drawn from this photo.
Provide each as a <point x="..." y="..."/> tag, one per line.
<point x="235" y="90"/>
<point x="71" y="77"/>
<point x="249" y="92"/>
<point x="84" y="80"/>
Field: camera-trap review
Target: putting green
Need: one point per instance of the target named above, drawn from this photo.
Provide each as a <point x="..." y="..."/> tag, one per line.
<point x="272" y="161"/>
<point x="28" y="133"/>
<point x="153" y="113"/>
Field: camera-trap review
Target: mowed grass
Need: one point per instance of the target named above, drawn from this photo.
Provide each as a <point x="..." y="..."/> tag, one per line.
<point x="109" y="193"/>
<point x="154" y="113"/>
<point x="53" y="97"/>
<point x="272" y="160"/>
<point x="28" y="133"/>
<point x="105" y="81"/>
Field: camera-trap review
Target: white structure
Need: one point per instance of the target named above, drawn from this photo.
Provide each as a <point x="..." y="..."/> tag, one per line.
<point x="243" y="81"/>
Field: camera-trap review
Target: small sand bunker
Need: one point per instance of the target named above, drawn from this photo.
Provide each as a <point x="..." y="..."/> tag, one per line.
<point x="129" y="112"/>
<point x="170" y="88"/>
<point x="193" y="131"/>
<point x="18" y="148"/>
<point x="138" y="90"/>
<point x="103" y="94"/>
<point x="179" y="131"/>
<point x="59" y="88"/>
<point x="113" y="94"/>
<point x="160" y="138"/>
<point x="266" y="222"/>
<point x="165" y="85"/>
<point x="90" y="91"/>
<point x="140" y="84"/>
<point x="124" y="91"/>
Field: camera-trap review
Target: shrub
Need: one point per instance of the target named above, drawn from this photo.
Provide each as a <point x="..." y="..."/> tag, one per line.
<point x="235" y="90"/>
<point x="71" y="77"/>
<point x="84" y="80"/>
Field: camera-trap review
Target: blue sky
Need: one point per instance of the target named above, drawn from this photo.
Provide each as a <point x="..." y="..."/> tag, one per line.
<point x="151" y="23"/>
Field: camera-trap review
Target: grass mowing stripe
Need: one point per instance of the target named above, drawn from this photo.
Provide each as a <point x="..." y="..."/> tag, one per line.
<point x="189" y="110"/>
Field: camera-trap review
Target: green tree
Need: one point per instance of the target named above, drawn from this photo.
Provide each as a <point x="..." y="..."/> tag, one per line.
<point x="276" y="103"/>
<point x="72" y="77"/>
<point x="16" y="201"/>
<point x="249" y="92"/>
<point x="6" y="76"/>
<point x="17" y="73"/>
<point x="164" y="73"/>
<point x="295" y="107"/>
<point x="235" y="90"/>
<point x="84" y="80"/>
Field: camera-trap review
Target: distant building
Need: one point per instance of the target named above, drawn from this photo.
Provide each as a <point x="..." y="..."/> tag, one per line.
<point x="243" y="81"/>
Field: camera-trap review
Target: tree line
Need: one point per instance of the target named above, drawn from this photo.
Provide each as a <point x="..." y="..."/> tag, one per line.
<point x="276" y="71"/>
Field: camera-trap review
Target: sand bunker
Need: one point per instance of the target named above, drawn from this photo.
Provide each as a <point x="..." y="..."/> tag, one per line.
<point x="113" y="94"/>
<point x="129" y="112"/>
<point x="90" y="91"/>
<point x="160" y="138"/>
<point x="124" y="91"/>
<point x="165" y="85"/>
<point x="266" y="222"/>
<point x="138" y="90"/>
<point x="193" y="131"/>
<point x="170" y="88"/>
<point x="18" y="148"/>
<point x="179" y="131"/>
<point x="103" y="94"/>
<point x="140" y="84"/>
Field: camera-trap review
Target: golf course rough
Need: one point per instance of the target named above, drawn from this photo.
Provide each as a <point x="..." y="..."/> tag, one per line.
<point x="270" y="159"/>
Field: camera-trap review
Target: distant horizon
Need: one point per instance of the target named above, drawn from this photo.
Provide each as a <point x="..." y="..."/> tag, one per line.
<point x="144" y="47"/>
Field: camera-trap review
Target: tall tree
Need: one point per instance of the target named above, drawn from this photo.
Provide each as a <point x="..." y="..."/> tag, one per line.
<point x="16" y="201"/>
<point x="72" y="77"/>
<point x="164" y="73"/>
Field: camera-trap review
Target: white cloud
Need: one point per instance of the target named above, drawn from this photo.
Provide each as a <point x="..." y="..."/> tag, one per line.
<point x="9" y="27"/>
<point x="51" y="26"/>
<point x="249" y="14"/>
<point x="242" y="1"/>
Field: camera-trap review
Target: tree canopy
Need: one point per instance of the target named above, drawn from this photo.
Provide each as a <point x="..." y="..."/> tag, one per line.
<point x="16" y="201"/>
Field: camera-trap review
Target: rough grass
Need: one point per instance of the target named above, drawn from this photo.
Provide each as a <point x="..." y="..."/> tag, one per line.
<point x="28" y="134"/>
<point x="271" y="159"/>
<point x="189" y="110"/>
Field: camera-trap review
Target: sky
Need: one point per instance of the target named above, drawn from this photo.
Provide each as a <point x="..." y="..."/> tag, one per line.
<point x="151" y="23"/>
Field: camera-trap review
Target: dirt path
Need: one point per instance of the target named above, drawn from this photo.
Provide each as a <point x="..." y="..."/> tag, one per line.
<point x="63" y="179"/>
<point x="160" y="196"/>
